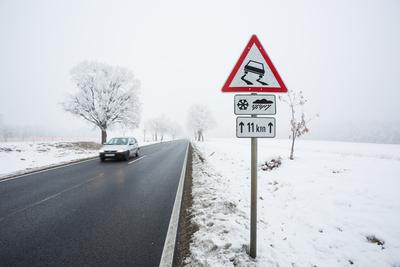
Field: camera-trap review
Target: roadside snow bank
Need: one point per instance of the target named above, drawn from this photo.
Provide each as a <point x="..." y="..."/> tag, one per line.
<point x="336" y="204"/>
<point x="23" y="156"/>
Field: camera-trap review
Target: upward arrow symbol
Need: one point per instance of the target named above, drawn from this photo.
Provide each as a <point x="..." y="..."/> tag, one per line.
<point x="270" y="127"/>
<point x="241" y="124"/>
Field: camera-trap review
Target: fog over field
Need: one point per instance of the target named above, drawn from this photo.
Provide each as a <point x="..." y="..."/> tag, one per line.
<point x="343" y="55"/>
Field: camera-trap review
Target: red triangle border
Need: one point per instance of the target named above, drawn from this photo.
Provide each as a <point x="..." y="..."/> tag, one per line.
<point x="227" y="88"/>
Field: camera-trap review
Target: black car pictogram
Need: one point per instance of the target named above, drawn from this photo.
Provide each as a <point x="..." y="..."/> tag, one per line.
<point x="256" y="68"/>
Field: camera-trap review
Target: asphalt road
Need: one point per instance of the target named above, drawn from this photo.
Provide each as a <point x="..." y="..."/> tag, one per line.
<point x="95" y="214"/>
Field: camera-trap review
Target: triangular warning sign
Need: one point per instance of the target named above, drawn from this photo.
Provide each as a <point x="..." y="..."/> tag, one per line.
<point x="254" y="72"/>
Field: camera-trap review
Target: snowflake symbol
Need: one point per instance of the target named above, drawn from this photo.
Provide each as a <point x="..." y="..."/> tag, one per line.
<point x="242" y="104"/>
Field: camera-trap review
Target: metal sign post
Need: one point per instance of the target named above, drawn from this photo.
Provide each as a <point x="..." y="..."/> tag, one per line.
<point x="253" y="209"/>
<point x="254" y="127"/>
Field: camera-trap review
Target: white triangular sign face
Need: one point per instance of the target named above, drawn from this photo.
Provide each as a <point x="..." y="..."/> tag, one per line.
<point x="254" y="72"/>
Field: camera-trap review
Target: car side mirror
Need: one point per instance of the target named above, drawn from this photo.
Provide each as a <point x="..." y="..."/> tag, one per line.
<point x="131" y="144"/>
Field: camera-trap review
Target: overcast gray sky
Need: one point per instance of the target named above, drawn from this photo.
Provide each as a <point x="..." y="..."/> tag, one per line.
<point x="344" y="56"/>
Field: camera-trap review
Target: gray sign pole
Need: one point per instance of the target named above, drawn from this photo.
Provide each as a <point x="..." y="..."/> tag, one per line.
<point x="253" y="209"/>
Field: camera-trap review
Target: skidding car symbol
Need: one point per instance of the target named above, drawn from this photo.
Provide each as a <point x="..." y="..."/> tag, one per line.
<point x="256" y="68"/>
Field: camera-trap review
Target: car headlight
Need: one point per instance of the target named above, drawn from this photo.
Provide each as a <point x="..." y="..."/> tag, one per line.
<point x="101" y="150"/>
<point x="121" y="150"/>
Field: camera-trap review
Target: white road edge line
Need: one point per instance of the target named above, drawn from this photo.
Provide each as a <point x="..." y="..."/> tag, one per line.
<point x="167" y="256"/>
<point x="130" y="162"/>
<point x="47" y="169"/>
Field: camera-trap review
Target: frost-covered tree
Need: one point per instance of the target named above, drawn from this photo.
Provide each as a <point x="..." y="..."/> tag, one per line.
<point x="200" y="119"/>
<point x="6" y="131"/>
<point x="174" y="130"/>
<point x="106" y="96"/>
<point x="145" y="129"/>
<point x="154" y="127"/>
<point x="159" y="126"/>
<point x="165" y="125"/>
<point x="298" y="123"/>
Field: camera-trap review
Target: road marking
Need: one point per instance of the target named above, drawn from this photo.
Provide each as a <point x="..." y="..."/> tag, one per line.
<point x="167" y="256"/>
<point x="46" y="199"/>
<point x="47" y="169"/>
<point x="130" y="162"/>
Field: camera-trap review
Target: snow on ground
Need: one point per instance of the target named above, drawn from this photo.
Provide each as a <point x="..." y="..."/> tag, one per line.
<point x="336" y="204"/>
<point x="24" y="156"/>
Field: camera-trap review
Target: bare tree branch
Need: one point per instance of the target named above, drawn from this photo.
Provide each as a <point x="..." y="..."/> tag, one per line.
<point x="298" y="125"/>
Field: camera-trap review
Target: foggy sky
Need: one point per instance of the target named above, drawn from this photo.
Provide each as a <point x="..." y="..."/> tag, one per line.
<point x="343" y="55"/>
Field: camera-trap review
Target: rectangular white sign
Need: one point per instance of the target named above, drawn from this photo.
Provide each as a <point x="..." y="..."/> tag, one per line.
<point x="260" y="127"/>
<point x="255" y="104"/>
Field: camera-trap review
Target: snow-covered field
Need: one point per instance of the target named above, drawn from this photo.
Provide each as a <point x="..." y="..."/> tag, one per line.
<point x="24" y="156"/>
<point x="336" y="204"/>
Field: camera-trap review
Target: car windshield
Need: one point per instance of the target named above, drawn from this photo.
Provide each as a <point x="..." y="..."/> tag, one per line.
<point x="255" y="64"/>
<point x="118" y="141"/>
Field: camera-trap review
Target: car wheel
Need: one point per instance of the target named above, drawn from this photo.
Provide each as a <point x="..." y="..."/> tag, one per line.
<point x="137" y="154"/>
<point x="102" y="159"/>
